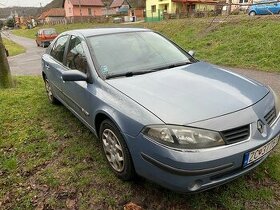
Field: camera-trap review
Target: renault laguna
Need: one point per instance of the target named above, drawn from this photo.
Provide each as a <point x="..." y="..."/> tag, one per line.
<point x="158" y="112"/>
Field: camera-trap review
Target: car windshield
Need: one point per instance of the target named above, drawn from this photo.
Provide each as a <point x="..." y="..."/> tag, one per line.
<point x="135" y="53"/>
<point x="49" y="31"/>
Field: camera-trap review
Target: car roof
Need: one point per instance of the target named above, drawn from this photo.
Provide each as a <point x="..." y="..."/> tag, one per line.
<point x="104" y="31"/>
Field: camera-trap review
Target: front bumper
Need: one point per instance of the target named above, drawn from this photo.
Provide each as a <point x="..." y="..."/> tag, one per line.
<point x="191" y="171"/>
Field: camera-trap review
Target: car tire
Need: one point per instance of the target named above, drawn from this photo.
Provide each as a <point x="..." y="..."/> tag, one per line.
<point x="51" y="97"/>
<point x="116" y="151"/>
<point x="253" y="13"/>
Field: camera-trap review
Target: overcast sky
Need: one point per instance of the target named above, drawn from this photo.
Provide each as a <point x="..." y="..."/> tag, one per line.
<point x="23" y="3"/>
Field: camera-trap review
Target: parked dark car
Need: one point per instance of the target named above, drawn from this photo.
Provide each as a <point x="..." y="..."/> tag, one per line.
<point x="45" y="36"/>
<point x="159" y="112"/>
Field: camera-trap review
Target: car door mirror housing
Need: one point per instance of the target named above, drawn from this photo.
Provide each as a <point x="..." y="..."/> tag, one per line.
<point x="74" y="75"/>
<point x="192" y="53"/>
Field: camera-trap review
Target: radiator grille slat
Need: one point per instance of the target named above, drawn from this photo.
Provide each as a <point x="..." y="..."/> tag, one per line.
<point x="270" y="116"/>
<point x="236" y="134"/>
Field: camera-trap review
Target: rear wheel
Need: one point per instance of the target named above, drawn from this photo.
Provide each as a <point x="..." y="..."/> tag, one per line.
<point x="253" y="13"/>
<point x="116" y="151"/>
<point x="51" y="97"/>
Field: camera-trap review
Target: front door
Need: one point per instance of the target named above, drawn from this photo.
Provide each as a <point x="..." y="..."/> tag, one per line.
<point x="78" y="92"/>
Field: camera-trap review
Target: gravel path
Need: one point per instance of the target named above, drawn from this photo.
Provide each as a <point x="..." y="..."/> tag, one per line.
<point x="29" y="63"/>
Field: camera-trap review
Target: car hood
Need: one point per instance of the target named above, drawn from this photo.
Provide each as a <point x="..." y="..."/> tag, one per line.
<point x="191" y="93"/>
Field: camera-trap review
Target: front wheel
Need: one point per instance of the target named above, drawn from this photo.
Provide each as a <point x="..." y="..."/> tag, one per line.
<point x="253" y="13"/>
<point x="116" y="151"/>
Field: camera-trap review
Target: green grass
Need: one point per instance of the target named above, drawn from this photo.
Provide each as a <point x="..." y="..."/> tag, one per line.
<point x="241" y="41"/>
<point x="49" y="159"/>
<point x="13" y="48"/>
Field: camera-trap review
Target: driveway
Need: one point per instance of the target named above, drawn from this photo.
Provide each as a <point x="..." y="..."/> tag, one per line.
<point x="29" y="64"/>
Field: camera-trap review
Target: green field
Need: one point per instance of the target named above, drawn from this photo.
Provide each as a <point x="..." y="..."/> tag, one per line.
<point x="240" y="41"/>
<point x="13" y="48"/>
<point x="50" y="160"/>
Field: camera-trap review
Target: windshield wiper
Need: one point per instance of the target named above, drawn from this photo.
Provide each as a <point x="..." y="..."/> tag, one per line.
<point x="173" y="65"/>
<point x="129" y="74"/>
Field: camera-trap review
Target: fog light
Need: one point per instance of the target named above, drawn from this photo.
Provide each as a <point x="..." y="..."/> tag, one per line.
<point x="196" y="185"/>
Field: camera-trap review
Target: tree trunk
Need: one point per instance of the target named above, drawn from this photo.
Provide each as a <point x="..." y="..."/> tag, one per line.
<point x="5" y="73"/>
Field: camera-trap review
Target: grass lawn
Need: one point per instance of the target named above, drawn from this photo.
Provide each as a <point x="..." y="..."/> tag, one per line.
<point x="241" y="41"/>
<point x="50" y="160"/>
<point x="13" y="48"/>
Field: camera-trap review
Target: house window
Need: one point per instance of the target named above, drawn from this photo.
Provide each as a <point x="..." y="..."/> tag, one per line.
<point x="243" y="1"/>
<point x="153" y="8"/>
<point x="89" y="12"/>
<point x="70" y="10"/>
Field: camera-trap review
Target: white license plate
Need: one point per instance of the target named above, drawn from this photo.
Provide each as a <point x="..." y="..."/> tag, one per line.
<point x="257" y="154"/>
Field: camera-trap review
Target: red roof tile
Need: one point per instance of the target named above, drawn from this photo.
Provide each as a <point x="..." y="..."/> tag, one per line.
<point x="116" y="3"/>
<point x="87" y="2"/>
<point x="42" y="16"/>
<point x="55" y="12"/>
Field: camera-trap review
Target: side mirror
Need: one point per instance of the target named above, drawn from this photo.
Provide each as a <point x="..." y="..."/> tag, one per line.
<point x="74" y="75"/>
<point x="192" y="53"/>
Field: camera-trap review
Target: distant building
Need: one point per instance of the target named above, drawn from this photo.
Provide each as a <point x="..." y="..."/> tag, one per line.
<point x="119" y="7"/>
<point x="156" y="9"/>
<point x="53" y="16"/>
<point x="75" y="9"/>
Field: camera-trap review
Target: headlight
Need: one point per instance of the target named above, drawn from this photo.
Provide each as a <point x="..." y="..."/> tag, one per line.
<point x="184" y="137"/>
<point x="276" y="101"/>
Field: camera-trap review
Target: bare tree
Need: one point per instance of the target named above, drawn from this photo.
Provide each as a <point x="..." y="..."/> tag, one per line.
<point x="5" y="73"/>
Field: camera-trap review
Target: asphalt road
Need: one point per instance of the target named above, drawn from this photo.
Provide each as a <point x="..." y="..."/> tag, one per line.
<point x="29" y="64"/>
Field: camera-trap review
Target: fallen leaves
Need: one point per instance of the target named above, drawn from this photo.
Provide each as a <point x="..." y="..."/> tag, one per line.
<point x="132" y="206"/>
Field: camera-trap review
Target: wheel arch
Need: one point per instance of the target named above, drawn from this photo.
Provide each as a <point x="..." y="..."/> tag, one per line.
<point x="100" y="117"/>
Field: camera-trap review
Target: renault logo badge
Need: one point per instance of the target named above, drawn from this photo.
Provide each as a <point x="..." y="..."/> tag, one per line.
<point x="260" y="126"/>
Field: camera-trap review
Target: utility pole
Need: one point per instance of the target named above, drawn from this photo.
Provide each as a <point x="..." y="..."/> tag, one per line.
<point x="80" y="7"/>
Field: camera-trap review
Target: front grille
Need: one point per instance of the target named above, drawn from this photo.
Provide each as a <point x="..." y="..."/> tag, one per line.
<point x="270" y="116"/>
<point x="236" y="134"/>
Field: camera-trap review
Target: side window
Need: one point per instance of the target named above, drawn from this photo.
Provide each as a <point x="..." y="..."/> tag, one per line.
<point x="57" y="51"/>
<point x="76" y="58"/>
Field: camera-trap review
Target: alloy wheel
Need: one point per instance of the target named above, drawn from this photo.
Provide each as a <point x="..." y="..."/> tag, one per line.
<point x="113" y="150"/>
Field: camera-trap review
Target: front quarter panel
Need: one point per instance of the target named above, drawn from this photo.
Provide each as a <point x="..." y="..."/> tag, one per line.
<point x="129" y="116"/>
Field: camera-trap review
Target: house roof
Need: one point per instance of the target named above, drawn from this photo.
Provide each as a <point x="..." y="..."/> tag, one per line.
<point x="86" y="2"/>
<point x="198" y="1"/>
<point x="118" y="3"/>
<point x="42" y="16"/>
<point x="54" y="12"/>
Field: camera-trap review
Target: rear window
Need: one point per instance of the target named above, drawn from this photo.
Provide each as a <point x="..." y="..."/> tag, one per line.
<point x="49" y="31"/>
